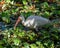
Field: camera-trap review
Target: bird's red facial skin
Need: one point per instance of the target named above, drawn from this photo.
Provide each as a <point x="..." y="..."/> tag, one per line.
<point x="18" y="20"/>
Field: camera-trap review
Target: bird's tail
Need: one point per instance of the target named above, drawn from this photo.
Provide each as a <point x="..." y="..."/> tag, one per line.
<point x="54" y="23"/>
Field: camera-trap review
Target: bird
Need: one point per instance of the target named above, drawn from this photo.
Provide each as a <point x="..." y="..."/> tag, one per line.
<point x="33" y="21"/>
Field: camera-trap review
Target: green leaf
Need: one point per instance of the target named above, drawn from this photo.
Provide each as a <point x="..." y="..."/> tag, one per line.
<point x="40" y="45"/>
<point x="6" y="16"/>
<point x="8" y="1"/>
<point x="1" y="42"/>
<point x="26" y="7"/>
<point x="45" y="5"/>
<point x="46" y="14"/>
<point x="56" y="12"/>
<point x="48" y="43"/>
<point x="31" y="37"/>
<point x="1" y="46"/>
<point x="24" y="2"/>
<point x="21" y="34"/>
<point x="16" y="41"/>
<point x="6" y="19"/>
<point x="26" y="45"/>
<point x="52" y="45"/>
<point x="33" y="46"/>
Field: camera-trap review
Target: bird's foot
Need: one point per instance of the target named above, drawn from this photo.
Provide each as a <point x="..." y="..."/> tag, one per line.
<point x="36" y="30"/>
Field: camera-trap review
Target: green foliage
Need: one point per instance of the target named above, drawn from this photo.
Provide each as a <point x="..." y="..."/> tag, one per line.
<point x="39" y="44"/>
<point x="16" y="41"/>
<point x="47" y="37"/>
<point x="6" y="16"/>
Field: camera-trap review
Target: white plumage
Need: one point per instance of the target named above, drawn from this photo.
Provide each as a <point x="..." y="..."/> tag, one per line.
<point x="32" y="21"/>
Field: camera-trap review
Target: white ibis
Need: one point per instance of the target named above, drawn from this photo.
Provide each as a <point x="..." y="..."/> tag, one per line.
<point x="32" y="21"/>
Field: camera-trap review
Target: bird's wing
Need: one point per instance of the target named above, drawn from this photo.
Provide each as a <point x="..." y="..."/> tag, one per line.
<point x="37" y="20"/>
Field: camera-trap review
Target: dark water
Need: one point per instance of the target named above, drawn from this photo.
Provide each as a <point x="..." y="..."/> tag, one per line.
<point x="3" y="26"/>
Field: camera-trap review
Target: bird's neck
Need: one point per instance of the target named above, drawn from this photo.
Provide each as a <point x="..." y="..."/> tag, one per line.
<point x="23" y="21"/>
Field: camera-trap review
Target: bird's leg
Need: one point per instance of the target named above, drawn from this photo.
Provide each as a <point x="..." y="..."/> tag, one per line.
<point x="36" y="29"/>
<point x="26" y="28"/>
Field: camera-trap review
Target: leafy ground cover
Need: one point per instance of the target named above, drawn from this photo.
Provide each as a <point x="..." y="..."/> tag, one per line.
<point x="47" y="37"/>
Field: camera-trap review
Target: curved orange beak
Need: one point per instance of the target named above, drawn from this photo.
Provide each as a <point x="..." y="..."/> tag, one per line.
<point x="18" y="20"/>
